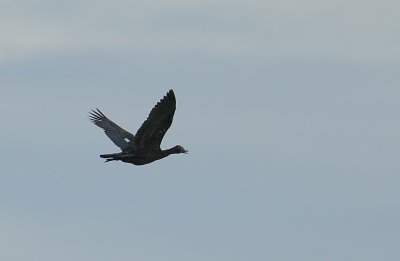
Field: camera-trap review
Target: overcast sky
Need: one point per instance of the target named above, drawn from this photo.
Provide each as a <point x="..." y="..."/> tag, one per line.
<point x="289" y="110"/>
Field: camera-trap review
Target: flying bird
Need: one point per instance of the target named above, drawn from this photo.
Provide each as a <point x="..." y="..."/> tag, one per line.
<point x="143" y="147"/>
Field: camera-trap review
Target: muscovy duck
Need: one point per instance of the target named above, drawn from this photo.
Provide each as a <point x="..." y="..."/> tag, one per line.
<point x="144" y="147"/>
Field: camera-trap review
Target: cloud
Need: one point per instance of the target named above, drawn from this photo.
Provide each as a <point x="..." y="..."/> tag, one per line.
<point x="275" y="29"/>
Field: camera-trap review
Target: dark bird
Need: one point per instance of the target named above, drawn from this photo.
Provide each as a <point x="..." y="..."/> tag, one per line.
<point x="144" y="147"/>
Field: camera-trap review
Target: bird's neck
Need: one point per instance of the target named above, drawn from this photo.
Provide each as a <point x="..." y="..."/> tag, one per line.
<point x="170" y="151"/>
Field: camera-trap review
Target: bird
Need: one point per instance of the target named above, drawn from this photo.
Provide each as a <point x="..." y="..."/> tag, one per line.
<point x="143" y="147"/>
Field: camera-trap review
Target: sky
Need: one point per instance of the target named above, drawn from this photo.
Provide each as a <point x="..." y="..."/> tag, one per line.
<point x="289" y="110"/>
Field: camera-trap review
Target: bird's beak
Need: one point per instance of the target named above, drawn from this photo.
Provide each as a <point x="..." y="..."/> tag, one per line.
<point x="186" y="152"/>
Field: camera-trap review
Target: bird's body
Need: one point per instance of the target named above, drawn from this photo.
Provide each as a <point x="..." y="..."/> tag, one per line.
<point x="144" y="147"/>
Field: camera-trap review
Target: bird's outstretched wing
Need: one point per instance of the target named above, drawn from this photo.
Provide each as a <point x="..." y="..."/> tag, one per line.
<point x="119" y="136"/>
<point x="152" y="131"/>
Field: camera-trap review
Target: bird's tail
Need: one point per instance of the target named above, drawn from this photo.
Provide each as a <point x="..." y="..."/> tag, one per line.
<point x="104" y="156"/>
<point x="111" y="157"/>
<point x="116" y="156"/>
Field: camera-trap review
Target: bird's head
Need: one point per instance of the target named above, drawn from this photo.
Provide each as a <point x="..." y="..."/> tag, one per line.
<point x="180" y="149"/>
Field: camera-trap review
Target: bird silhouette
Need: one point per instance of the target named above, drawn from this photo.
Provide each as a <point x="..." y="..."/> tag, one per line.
<point x="143" y="147"/>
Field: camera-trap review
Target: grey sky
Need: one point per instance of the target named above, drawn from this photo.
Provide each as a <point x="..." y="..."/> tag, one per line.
<point x="289" y="111"/>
